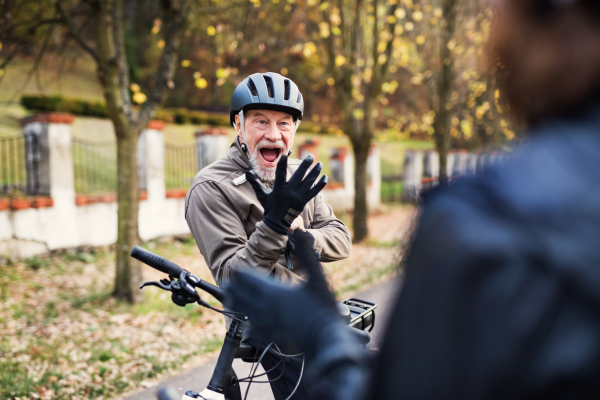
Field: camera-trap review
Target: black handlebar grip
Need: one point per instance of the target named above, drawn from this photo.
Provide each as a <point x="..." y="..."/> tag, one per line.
<point x="156" y="261"/>
<point x="215" y="291"/>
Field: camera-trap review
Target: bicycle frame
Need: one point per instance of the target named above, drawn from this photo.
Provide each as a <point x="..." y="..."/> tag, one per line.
<point x="224" y="384"/>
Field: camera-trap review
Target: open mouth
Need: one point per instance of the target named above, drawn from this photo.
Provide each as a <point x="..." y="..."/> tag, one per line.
<point x="270" y="154"/>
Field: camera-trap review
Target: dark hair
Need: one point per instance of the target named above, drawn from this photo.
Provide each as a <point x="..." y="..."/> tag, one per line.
<point x="546" y="55"/>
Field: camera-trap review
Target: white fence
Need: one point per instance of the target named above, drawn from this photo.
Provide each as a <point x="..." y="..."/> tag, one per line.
<point x="421" y="169"/>
<point x="65" y="220"/>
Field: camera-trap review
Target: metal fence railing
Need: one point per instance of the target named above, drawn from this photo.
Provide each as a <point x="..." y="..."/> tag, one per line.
<point x="13" y="171"/>
<point x="181" y="165"/>
<point x="95" y="166"/>
<point x="391" y="182"/>
<point x="391" y="188"/>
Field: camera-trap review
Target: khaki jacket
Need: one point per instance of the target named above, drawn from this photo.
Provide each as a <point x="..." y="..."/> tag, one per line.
<point x="226" y="221"/>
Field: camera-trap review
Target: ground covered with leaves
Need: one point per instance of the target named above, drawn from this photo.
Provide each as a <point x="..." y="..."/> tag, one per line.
<point x="62" y="335"/>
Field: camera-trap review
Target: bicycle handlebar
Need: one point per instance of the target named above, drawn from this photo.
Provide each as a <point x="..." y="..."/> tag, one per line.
<point x="172" y="269"/>
<point x="156" y="261"/>
<point x="215" y="291"/>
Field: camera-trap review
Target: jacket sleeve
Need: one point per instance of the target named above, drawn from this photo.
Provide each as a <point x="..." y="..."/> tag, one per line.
<point x="332" y="237"/>
<point x="213" y="218"/>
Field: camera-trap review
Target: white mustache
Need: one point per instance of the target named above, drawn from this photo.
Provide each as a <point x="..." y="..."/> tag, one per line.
<point x="267" y="143"/>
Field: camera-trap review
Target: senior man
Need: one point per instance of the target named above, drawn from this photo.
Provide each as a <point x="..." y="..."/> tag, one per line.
<point x="228" y="220"/>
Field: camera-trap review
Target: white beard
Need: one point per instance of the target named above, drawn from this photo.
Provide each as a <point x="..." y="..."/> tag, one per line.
<point x="266" y="175"/>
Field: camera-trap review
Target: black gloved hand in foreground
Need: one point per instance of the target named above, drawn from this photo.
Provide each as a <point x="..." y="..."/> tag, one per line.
<point x="293" y="315"/>
<point x="287" y="199"/>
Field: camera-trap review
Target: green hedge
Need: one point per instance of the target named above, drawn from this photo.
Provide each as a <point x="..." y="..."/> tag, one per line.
<point x="178" y="116"/>
<point x="62" y="104"/>
<point x="184" y="116"/>
<point x="98" y="109"/>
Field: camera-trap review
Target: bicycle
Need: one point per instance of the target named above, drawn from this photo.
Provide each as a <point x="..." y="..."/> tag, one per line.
<point x="224" y="383"/>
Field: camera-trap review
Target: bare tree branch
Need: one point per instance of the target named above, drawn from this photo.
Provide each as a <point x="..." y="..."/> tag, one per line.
<point x="75" y="33"/>
<point x="36" y="64"/>
<point x="174" y="19"/>
<point x="388" y="49"/>
<point x="10" y="56"/>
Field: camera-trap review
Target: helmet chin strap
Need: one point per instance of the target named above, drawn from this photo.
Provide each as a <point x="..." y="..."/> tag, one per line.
<point x="243" y="146"/>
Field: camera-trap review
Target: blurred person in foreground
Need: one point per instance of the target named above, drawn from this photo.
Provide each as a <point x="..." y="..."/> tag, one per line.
<point x="235" y="224"/>
<point x="501" y="298"/>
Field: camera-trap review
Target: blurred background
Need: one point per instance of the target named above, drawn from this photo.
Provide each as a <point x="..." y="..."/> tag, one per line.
<point x="399" y="96"/>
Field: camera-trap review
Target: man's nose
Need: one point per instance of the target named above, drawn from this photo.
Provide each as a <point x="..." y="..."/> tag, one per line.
<point x="273" y="134"/>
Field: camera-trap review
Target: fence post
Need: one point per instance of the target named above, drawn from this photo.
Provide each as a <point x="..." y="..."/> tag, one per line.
<point x="211" y="144"/>
<point x="340" y="193"/>
<point x="450" y="164"/>
<point x="151" y="160"/>
<point x="48" y="158"/>
<point x="413" y="174"/>
<point x="337" y="157"/>
<point x="461" y="159"/>
<point x="49" y="161"/>
<point x="472" y="161"/>
<point x="374" y="177"/>
<point x="151" y="167"/>
<point x="431" y="164"/>
<point x="482" y="162"/>
<point x="309" y="147"/>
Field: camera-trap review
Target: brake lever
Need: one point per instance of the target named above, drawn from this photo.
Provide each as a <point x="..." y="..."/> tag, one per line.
<point x="160" y="284"/>
<point x="180" y="287"/>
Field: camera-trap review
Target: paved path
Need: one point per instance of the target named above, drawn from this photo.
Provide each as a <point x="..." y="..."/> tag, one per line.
<point x="198" y="377"/>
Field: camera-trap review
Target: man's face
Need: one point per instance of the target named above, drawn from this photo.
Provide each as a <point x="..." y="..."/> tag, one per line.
<point x="268" y="135"/>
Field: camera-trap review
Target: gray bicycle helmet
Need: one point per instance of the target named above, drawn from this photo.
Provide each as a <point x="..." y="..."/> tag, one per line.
<point x="268" y="91"/>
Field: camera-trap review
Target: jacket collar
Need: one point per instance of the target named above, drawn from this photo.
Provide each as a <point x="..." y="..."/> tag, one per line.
<point x="238" y="157"/>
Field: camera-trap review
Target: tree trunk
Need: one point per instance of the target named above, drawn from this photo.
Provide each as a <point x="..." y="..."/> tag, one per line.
<point x="444" y="89"/>
<point x="128" y="275"/>
<point x="361" y="231"/>
<point x="442" y="144"/>
<point x="112" y="70"/>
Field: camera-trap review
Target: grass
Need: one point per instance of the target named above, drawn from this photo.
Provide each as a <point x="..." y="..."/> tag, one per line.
<point x="59" y="75"/>
<point x="63" y="336"/>
<point x="16" y="382"/>
<point x="391" y="192"/>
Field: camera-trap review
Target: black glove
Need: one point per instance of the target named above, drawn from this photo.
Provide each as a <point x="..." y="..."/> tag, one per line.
<point x="290" y="248"/>
<point x="292" y="315"/>
<point x="287" y="199"/>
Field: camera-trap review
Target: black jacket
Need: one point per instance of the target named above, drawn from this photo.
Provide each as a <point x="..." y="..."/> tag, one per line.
<point x="502" y="292"/>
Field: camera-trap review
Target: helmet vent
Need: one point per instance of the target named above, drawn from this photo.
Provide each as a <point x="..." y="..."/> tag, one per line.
<point x="269" y="83"/>
<point x="286" y="85"/>
<point x="299" y="98"/>
<point x="252" y="87"/>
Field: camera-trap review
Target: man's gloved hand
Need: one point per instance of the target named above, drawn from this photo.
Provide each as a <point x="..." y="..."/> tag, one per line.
<point x="287" y="199"/>
<point x="292" y="315"/>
